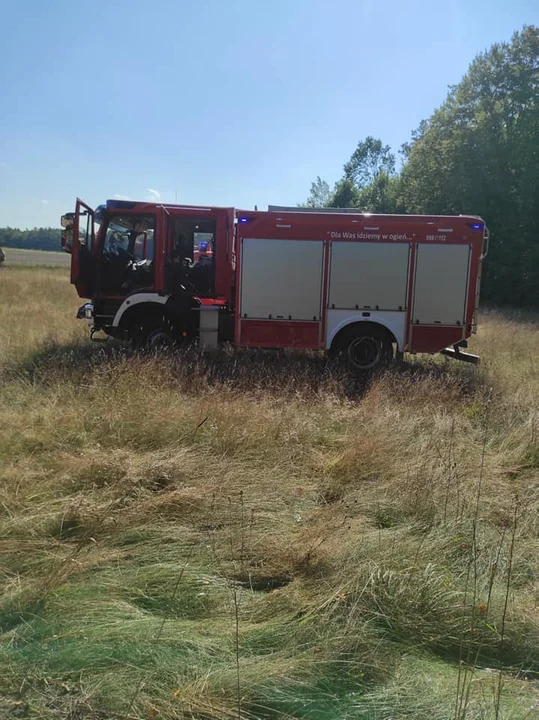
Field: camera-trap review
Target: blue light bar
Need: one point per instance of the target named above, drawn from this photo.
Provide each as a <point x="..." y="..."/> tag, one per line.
<point x="117" y="204"/>
<point x="476" y="226"/>
<point x="243" y="219"/>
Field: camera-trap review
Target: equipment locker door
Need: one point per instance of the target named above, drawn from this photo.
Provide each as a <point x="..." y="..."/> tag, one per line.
<point x="281" y="279"/>
<point x="441" y="284"/>
<point x="368" y="275"/>
<point x="280" y="299"/>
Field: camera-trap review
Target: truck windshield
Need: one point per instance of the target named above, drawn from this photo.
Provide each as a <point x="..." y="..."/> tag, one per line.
<point x="130" y="235"/>
<point x="127" y="254"/>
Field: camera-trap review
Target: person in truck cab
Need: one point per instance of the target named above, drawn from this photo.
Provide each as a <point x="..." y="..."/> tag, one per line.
<point x="201" y="274"/>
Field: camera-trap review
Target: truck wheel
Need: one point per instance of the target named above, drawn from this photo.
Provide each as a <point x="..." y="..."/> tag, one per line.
<point x="159" y="338"/>
<point x="151" y="334"/>
<point x="365" y="350"/>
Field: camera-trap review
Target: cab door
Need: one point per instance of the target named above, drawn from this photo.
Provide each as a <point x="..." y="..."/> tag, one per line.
<point x="83" y="262"/>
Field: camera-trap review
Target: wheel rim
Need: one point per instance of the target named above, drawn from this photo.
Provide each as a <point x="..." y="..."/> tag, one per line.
<point x="365" y="353"/>
<point x="159" y="339"/>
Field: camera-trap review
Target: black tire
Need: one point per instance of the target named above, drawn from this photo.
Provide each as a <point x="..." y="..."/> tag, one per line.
<point x="364" y="349"/>
<point x="152" y="331"/>
<point x="159" y="339"/>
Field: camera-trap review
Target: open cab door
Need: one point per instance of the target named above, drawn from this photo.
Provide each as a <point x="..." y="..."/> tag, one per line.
<point x="83" y="261"/>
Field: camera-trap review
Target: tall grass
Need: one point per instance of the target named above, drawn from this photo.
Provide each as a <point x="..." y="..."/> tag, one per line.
<point x="260" y="536"/>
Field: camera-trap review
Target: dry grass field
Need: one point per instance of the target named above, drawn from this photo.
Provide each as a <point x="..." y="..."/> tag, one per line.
<point x="16" y="257"/>
<point x="260" y="536"/>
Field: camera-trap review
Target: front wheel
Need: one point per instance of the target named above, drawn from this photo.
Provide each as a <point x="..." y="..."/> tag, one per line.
<point x="160" y="339"/>
<point x="365" y="349"/>
<point x="153" y="333"/>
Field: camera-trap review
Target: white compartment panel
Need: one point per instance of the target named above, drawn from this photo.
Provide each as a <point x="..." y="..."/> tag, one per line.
<point x="369" y="275"/>
<point x="281" y="279"/>
<point x="441" y="284"/>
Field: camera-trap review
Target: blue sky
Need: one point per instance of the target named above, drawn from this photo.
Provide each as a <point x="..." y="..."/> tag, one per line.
<point x="223" y="102"/>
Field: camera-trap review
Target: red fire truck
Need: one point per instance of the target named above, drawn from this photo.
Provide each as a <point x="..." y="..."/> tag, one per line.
<point x="367" y="286"/>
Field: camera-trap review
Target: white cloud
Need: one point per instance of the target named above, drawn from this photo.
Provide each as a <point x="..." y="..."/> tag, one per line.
<point x="118" y="196"/>
<point x="44" y="202"/>
<point x="153" y="195"/>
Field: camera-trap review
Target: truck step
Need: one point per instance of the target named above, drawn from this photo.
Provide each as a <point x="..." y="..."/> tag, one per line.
<point x="457" y="354"/>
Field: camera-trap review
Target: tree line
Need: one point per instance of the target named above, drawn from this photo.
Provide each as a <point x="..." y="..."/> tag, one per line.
<point x="477" y="154"/>
<point x="36" y="239"/>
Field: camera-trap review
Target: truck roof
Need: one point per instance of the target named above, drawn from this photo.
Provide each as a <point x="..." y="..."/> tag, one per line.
<point x="311" y="213"/>
<point x="366" y="215"/>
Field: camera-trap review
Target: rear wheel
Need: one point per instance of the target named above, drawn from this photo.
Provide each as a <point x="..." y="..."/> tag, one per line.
<point x="365" y="349"/>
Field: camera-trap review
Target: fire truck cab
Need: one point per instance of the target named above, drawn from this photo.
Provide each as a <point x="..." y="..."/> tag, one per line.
<point x="367" y="286"/>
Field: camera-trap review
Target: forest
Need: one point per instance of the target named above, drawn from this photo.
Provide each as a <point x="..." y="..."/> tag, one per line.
<point x="36" y="239"/>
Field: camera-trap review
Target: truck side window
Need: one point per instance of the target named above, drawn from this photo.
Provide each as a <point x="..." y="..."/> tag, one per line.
<point x="192" y="236"/>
